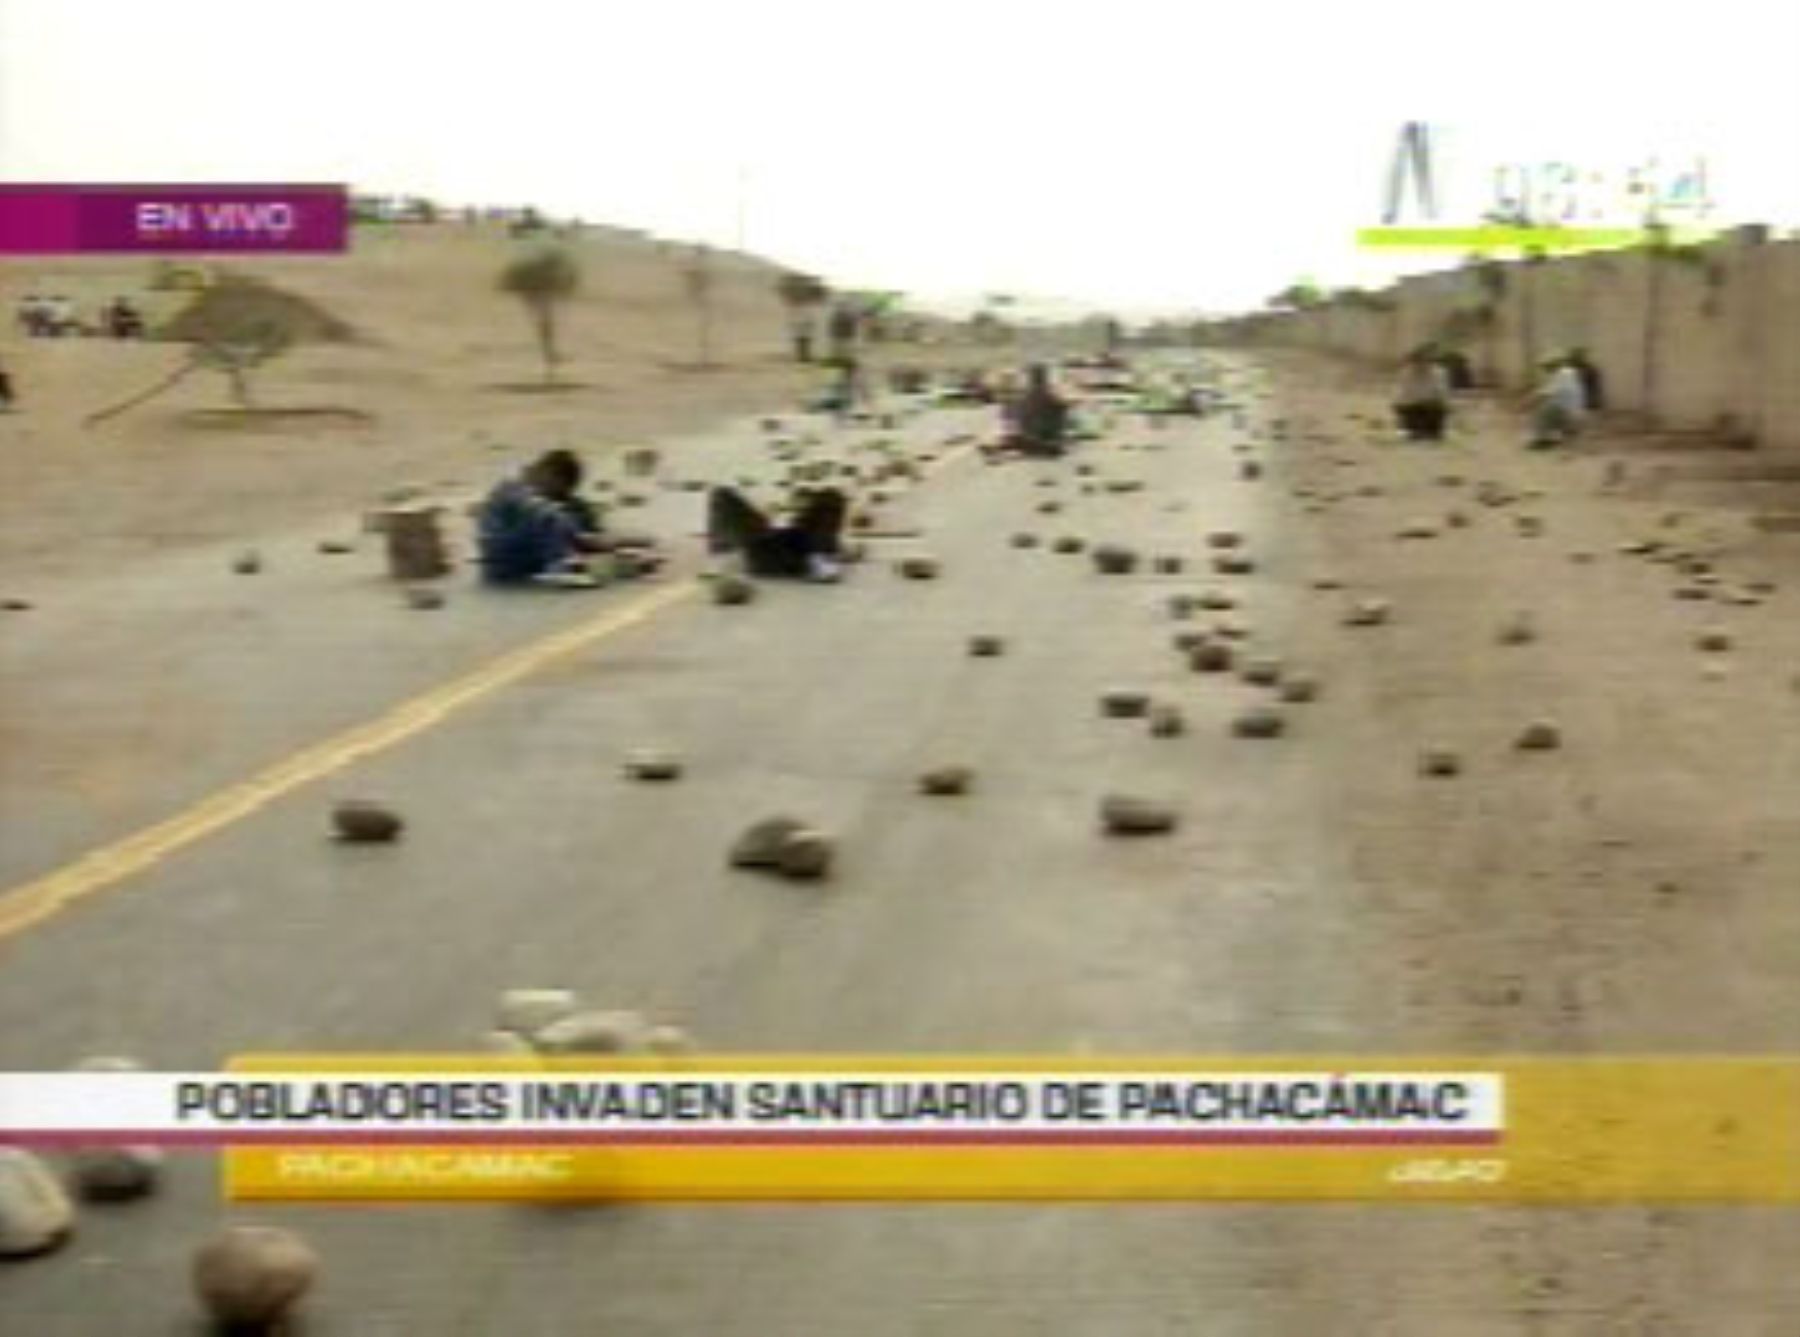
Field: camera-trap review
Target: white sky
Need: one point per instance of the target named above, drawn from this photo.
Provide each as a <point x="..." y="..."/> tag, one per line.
<point x="1141" y="154"/>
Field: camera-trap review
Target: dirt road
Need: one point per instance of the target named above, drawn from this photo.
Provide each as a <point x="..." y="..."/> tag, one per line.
<point x="1629" y="892"/>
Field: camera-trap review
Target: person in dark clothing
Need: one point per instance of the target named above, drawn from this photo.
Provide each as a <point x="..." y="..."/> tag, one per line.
<point x="1592" y="382"/>
<point x="1039" y="417"/>
<point x="809" y="548"/>
<point x="535" y="527"/>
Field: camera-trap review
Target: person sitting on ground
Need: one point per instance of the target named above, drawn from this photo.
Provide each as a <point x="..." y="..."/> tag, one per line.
<point x="1558" y="404"/>
<point x="1422" y="399"/>
<point x="1593" y="384"/>
<point x="810" y="547"/>
<point x="1037" y="420"/>
<point x="535" y="527"/>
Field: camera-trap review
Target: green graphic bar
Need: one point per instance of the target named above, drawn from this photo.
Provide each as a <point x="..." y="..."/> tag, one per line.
<point x="1501" y="238"/>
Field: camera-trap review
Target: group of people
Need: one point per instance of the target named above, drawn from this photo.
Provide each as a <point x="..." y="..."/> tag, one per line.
<point x="1570" y="388"/>
<point x="56" y="317"/>
<point x="535" y="528"/>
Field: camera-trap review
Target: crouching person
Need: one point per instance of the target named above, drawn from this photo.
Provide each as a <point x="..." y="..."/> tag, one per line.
<point x="1422" y="399"/>
<point x="536" y="528"/>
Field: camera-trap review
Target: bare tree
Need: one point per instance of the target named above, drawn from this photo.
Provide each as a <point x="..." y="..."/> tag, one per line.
<point x="543" y="281"/>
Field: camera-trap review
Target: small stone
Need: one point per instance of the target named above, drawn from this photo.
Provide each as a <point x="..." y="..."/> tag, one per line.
<point x="986" y="647"/>
<point x="1539" y="736"/>
<point x="247" y="563"/>
<point x="1299" y="688"/>
<point x="336" y="547"/>
<point x="733" y="591"/>
<point x="1230" y="629"/>
<point x="1417" y="529"/>
<point x="16" y="605"/>
<point x="1167" y="721"/>
<point x="1124" y="703"/>
<point x="1125" y="815"/>
<point x="1225" y="538"/>
<point x="1456" y="519"/>
<point x="36" y="1214"/>
<point x="918" y="568"/>
<point x="1211" y="657"/>
<point x="1112" y="560"/>
<point x="1259" y="722"/>
<point x="1439" y="761"/>
<point x="946" y="781"/>
<point x="1049" y="507"/>
<point x="1263" y="672"/>
<point x="1217" y="601"/>
<point x="1169" y="565"/>
<point x="1529" y="526"/>
<point x="1327" y="583"/>
<point x="1517" y="630"/>
<point x="652" y="765"/>
<point x="1025" y="540"/>
<point x="591" y="1033"/>
<point x="1713" y="640"/>
<point x="359" y="822"/>
<point x="423" y="599"/>
<point x="115" y="1174"/>
<point x="1250" y="470"/>
<point x="668" y="1041"/>
<point x="1367" y="613"/>
<point x="806" y="855"/>
<point x="1233" y="564"/>
<point x="252" y="1276"/>
<point x="1692" y="593"/>
<point x="1069" y="544"/>
<point x="760" y="844"/>
<point x="527" y="1011"/>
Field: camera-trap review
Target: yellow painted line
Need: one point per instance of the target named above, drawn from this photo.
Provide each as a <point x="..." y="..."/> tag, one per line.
<point x="33" y="902"/>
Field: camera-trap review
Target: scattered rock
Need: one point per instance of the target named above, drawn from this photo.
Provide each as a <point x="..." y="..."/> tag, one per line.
<point x="1417" y="529"/>
<point x="423" y="599"/>
<point x="918" y="568"/>
<point x="1211" y="657"/>
<point x="359" y="822"/>
<point x="16" y="605"/>
<point x="1517" y="630"/>
<point x="1069" y="544"/>
<point x="1049" y="507"/>
<point x="36" y="1215"/>
<point x="115" y="1174"/>
<point x="1693" y="593"/>
<point x="1167" y="721"/>
<point x="1440" y="761"/>
<point x="760" y="844"/>
<point x="527" y="1011"/>
<point x="1217" y="601"/>
<point x="1261" y="672"/>
<point x="1250" y="470"/>
<point x="1124" y="703"/>
<point x="1225" y="538"/>
<point x="806" y="855"/>
<point x="1169" y="565"/>
<point x="1713" y="640"/>
<point x="653" y="765"/>
<point x="986" y="647"/>
<point x="1110" y="559"/>
<point x="732" y="591"/>
<point x="1300" y="687"/>
<point x="1368" y="613"/>
<point x="1126" y="815"/>
<point x="336" y="547"/>
<point x="1025" y="540"/>
<point x="1259" y="722"/>
<point x="1529" y="526"/>
<point x="668" y="1041"/>
<point x="1456" y="519"/>
<point x="615" y="1032"/>
<point x="1327" y="583"/>
<point x="247" y="563"/>
<point x="1233" y="564"/>
<point x="1539" y="736"/>
<point x="252" y="1276"/>
<point x="947" y="781"/>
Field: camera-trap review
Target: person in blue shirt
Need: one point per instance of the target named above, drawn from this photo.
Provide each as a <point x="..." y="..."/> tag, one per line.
<point x="533" y="527"/>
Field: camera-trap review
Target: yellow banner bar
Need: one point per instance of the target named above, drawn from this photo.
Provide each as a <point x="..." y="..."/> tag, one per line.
<point x="1501" y="238"/>
<point x="1600" y="1130"/>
